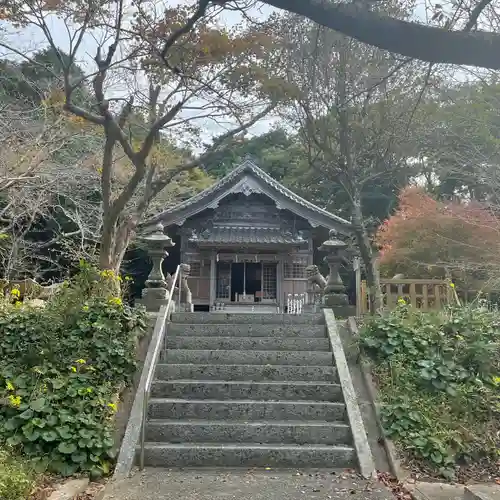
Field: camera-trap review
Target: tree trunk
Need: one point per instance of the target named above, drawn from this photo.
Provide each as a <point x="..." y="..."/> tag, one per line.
<point x="114" y="243"/>
<point x="350" y="181"/>
<point x="365" y="250"/>
<point x="106" y="261"/>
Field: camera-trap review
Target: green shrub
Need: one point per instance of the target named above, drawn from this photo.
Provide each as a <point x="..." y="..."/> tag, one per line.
<point x="61" y="370"/>
<point x="439" y="381"/>
<point x="16" y="478"/>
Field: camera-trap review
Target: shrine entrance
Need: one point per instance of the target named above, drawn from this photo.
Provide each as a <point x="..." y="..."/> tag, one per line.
<point x="238" y="279"/>
<point x="247" y="282"/>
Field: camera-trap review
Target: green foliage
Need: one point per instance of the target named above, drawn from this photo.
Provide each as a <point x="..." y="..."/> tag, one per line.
<point x="275" y="151"/>
<point x="438" y="375"/>
<point x="61" y="371"/>
<point x="16" y="478"/>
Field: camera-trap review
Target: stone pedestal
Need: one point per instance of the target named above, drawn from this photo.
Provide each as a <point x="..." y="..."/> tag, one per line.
<point x="153" y="298"/>
<point x="335" y="299"/>
<point x="156" y="292"/>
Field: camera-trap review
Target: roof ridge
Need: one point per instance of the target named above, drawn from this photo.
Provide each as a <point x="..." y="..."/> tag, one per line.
<point x="246" y="166"/>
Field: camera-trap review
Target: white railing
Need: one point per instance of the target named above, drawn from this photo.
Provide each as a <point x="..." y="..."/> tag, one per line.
<point x="161" y="339"/>
<point x="295" y="303"/>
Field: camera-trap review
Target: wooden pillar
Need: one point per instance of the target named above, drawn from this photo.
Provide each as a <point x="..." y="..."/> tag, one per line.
<point x="213" y="278"/>
<point x="425" y="297"/>
<point x="279" y="283"/>
<point x="413" y="295"/>
<point x="244" y="278"/>
<point x="364" y="298"/>
<point x="262" y="282"/>
<point x="437" y="295"/>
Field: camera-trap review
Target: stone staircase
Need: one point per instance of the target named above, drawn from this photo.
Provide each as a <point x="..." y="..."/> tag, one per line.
<point x="248" y="390"/>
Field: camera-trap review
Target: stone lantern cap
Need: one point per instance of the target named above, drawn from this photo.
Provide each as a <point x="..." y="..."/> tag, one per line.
<point x="333" y="243"/>
<point x="157" y="235"/>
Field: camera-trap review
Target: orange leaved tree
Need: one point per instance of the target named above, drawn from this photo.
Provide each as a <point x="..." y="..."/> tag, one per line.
<point x="430" y="238"/>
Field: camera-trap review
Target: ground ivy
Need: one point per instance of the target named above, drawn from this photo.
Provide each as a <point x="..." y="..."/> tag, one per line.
<point x="439" y="381"/>
<point x="61" y="369"/>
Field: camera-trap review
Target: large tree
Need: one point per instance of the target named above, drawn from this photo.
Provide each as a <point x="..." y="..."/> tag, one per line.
<point x="451" y="36"/>
<point x="353" y="108"/>
<point x="145" y="92"/>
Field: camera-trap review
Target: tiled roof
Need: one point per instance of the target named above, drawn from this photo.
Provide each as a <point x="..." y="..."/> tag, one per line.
<point x="249" y="178"/>
<point x="247" y="235"/>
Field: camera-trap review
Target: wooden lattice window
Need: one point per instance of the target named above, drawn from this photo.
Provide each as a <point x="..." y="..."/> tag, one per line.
<point x="295" y="270"/>
<point x="223" y="286"/>
<point x="269" y="274"/>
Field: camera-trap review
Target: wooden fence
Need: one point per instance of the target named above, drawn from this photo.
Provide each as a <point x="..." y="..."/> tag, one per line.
<point x="425" y="294"/>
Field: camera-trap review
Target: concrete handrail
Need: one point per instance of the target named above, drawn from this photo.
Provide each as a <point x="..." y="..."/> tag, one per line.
<point x="161" y="323"/>
<point x="360" y="438"/>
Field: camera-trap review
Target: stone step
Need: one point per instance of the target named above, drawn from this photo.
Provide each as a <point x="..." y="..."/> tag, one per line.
<point x="221" y="317"/>
<point x="206" y="431"/>
<point x="297" y="358"/>
<point x="246" y="330"/>
<point x="489" y="491"/>
<point x="255" y="373"/>
<point x="248" y="455"/>
<point x="245" y="410"/>
<point x="248" y="343"/>
<point x="264" y="391"/>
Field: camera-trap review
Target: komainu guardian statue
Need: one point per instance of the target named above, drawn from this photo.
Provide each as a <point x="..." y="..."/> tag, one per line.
<point x="315" y="280"/>
<point x="186" y="296"/>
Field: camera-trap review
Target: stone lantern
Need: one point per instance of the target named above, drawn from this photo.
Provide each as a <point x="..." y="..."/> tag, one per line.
<point x="334" y="291"/>
<point x="156" y="292"/>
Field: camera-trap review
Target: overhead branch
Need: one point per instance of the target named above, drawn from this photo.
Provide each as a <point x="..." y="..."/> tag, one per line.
<point x="244" y="126"/>
<point x="156" y="127"/>
<point x="476" y="12"/>
<point x="411" y="39"/>
<point x="198" y="14"/>
<point x="32" y="61"/>
<point x="82" y="113"/>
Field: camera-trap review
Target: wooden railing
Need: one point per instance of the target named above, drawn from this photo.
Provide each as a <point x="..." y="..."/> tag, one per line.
<point x="425" y="294"/>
